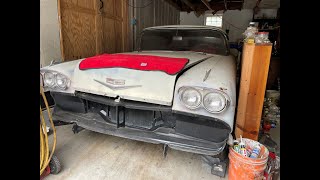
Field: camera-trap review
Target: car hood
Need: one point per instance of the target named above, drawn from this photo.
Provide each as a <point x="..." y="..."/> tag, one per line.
<point x="146" y="86"/>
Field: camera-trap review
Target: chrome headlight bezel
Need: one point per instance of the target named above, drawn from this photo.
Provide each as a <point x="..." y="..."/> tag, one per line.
<point x="220" y="95"/>
<point x="204" y="93"/>
<point x="64" y="79"/>
<point x="181" y="93"/>
<point x="55" y="84"/>
<point x="45" y="79"/>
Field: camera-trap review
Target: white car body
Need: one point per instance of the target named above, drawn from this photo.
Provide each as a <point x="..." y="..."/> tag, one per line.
<point x="158" y="89"/>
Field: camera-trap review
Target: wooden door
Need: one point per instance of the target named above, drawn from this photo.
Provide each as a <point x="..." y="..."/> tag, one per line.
<point x="91" y="27"/>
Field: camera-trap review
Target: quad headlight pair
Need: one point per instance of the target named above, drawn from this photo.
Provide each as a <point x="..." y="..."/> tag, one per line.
<point x="53" y="79"/>
<point x="214" y="101"/>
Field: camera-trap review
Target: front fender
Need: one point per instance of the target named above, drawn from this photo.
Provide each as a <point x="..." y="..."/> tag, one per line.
<point x="65" y="68"/>
<point x="222" y="77"/>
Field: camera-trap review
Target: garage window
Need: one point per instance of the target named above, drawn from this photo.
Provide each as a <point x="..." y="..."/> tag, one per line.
<point x="214" y="20"/>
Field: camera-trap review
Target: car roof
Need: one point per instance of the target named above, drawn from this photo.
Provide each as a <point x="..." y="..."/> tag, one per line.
<point x="185" y="27"/>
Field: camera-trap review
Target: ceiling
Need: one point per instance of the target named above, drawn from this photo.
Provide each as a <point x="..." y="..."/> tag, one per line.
<point x="200" y="6"/>
<point x="264" y="4"/>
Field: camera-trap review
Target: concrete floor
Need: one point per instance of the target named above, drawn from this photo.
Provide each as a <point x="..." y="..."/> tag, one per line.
<point x="91" y="155"/>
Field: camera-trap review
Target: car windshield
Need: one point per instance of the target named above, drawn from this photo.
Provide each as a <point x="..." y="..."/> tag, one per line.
<point x="200" y="40"/>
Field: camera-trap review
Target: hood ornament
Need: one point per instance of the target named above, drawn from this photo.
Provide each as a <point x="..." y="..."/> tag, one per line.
<point x="206" y="75"/>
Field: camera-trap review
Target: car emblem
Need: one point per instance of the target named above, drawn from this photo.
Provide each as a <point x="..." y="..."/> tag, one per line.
<point x="116" y="81"/>
<point x="116" y="84"/>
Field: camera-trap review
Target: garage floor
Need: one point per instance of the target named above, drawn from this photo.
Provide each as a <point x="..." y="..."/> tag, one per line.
<point x="91" y="155"/>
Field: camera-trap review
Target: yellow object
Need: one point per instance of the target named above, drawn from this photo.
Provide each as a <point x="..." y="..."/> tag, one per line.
<point x="250" y="41"/>
<point x="44" y="141"/>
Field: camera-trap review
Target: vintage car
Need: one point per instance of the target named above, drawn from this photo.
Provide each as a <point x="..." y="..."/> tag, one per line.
<point x="177" y="89"/>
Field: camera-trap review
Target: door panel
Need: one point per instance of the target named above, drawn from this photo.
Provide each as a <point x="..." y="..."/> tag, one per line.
<point x="88" y="28"/>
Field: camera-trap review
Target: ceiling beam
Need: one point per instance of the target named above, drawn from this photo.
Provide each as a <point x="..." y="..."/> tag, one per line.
<point x="173" y="4"/>
<point x="205" y="2"/>
<point x="189" y="4"/>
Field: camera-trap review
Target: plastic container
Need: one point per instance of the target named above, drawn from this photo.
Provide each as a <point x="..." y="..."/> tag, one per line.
<point x="256" y="151"/>
<point x="250" y="33"/>
<point x="241" y="167"/>
<point x="243" y="149"/>
<point x="262" y="37"/>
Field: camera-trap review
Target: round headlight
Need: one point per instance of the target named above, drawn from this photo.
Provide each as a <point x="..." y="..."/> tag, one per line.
<point x="49" y="79"/>
<point x="61" y="81"/>
<point x="214" y="102"/>
<point x="191" y="98"/>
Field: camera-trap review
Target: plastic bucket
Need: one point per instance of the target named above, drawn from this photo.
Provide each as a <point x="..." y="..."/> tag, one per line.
<point x="241" y="167"/>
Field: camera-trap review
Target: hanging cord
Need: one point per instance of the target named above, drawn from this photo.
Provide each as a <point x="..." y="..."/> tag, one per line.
<point x="143" y="6"/>
<point x="44" y="142"/>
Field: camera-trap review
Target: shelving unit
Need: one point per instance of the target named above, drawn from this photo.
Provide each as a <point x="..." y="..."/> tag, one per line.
<point x="271" y="25"/>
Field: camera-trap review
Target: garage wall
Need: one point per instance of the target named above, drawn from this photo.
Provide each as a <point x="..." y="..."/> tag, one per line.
<point x="146" y="13"/>
<point x="234" y="20"/>
<point x="92" y="27"/>
<point x="49" y="32"/>
<point x="191" y="19"/>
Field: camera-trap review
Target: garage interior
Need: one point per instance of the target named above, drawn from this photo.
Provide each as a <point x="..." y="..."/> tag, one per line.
<point x="72" y="30"/>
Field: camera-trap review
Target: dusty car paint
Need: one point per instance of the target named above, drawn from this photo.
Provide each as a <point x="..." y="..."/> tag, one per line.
<point x="194" y="130"/>
<point x="221" y="77"/>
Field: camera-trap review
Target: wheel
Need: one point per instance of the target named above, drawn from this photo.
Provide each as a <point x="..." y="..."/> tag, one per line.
<point x="54" y="164"/>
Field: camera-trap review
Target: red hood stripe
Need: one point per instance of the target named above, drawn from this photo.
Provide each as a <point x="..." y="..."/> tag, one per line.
<point x="168" y="65"/>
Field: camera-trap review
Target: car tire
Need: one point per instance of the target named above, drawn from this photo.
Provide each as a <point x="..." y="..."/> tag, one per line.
<point x="54" y="164"/>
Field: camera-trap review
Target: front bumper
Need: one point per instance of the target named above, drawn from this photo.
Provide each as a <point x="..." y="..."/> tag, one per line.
<point x="186" y="133"/>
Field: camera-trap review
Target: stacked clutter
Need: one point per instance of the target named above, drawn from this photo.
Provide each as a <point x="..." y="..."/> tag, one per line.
<point x="253" y="36"/>
<point x="272" y="170"/>
<point x="247" y="159"/>
<point x="270" y="119"/>
<point x="271" y="110"/>
<point x="249" y="148"/>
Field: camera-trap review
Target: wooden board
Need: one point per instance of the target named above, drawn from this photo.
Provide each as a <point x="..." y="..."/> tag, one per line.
<point x="89" y="27"/>
<point x="254" y="73"/>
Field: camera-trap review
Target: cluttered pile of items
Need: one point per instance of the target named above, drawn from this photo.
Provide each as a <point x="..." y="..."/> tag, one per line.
<point x="270" y="120"/>
<point x="251" y="159"/>
<point x="249" y="150"/>
<point x="253" y="36"/>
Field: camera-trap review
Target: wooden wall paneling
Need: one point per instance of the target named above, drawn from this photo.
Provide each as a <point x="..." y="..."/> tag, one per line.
<point x="78" y="34"/>
<point x="108" y="6"/>
<point x="77" y="26"/>
<point x="60" y="31"/>
<point x="99" y="27"/>
<point x="125" y="26"/>
<point x="88" y="28"/>
<point x="254" y="73"/>
<point x="130" y="28"/>
<point x="118" y="36"/>
<point x="109" y="40"/>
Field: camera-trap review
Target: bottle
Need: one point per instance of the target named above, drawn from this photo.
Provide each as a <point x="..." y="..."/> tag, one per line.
<point x="236" y="146"/>
<point x="255" y="151"/>
<point x="243" y="149"/>
<point x="250" y="33"/>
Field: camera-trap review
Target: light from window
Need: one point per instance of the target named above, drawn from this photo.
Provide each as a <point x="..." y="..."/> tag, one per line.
<point x="214" y="20"/>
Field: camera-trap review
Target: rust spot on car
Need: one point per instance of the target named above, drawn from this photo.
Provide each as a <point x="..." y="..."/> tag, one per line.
<point x="222" y="89"/>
